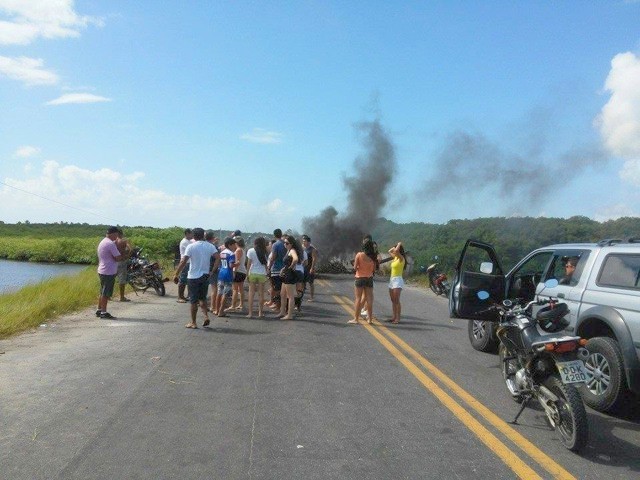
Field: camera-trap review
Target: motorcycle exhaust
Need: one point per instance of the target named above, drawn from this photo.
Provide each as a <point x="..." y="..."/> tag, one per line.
<point x="583" y="354"/>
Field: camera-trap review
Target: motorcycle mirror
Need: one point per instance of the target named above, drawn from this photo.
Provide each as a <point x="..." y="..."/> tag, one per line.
<point x="435" y="257"/>
<point x="483" y="295"/>
<point x="486" y="267"/>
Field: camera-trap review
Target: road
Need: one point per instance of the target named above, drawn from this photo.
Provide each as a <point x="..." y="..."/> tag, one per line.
<point x="143" y="397"/>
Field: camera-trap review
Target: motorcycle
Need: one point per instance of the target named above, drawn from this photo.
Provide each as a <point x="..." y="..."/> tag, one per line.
<point x="142" y="274"/>
<point x="438" y="281"/>
<point x="543" y="367"/>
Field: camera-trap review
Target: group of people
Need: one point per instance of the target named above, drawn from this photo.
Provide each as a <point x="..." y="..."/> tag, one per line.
<point x="286" y="263"/>
<point x="365" y="264"/>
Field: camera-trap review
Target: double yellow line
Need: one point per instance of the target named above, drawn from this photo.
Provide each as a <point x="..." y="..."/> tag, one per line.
<point x="396" y="346"/>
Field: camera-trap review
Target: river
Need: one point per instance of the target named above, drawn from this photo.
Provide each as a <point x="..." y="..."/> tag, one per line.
<point x="15" y="275"/>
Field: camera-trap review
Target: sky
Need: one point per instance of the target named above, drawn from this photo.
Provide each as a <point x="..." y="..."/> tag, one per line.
<point x="248" y="114"/>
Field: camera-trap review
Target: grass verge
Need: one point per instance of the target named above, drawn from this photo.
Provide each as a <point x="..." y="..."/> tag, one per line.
<point x="32" y="305"/>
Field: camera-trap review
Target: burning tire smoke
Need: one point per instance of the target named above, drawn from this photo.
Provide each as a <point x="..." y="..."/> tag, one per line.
<point x="339" y="236"/>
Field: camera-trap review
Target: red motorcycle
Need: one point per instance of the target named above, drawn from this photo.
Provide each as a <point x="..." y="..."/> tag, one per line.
<point x="438" y="281"/>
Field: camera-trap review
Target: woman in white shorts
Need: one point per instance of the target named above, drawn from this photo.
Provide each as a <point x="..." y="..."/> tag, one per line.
<point x="396" y="282"/>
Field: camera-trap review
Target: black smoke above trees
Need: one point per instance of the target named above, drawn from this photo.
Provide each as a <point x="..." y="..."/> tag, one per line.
<point x="522" y="179"/>
<point x="338" y="235"/>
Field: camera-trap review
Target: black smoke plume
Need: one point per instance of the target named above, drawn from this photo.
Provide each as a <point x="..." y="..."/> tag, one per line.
<point x="522" y="182"/>
<point x="339" y="236"/>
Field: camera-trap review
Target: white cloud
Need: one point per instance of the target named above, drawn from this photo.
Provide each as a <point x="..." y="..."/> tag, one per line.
<point x="27" y="70"/>
<point x="26" y="151"/>
<point x="68" y="98"/>
<point x="619" y="121"/>
<point x="23" y="21"/>
<point x="260" y="135"/>
<point x="630" y="172"/>
<point x="106" y="195"/>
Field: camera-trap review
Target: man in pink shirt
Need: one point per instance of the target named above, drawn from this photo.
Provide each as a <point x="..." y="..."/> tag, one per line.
<point x="108" y="258"/>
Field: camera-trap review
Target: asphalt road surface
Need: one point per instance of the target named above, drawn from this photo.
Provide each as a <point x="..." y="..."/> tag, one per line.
<point x="142" y="397"/>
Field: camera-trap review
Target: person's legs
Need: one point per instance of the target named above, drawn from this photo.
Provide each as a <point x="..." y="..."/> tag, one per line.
<point x="276" y="284"/>
<point x="291" y="293"/>
<point x="368" y="291"/>
<point x="234" y="296"/>
<point x="241" y="294"/>
<point x="357" y="293"/>
<point x="252" y="289"/>
<point x="223" y="289"/>
<point x="299" y="295"/>
<point x="182" y="285"/>
<point x="283" y="300"/>
<point x="122" y="279"/>
<point x="261" y="297"/>
<point x="107" y="282"/>
<point x="193" y="303"/>
<point x="395" y="302"/>
<point x="214" y="295"/>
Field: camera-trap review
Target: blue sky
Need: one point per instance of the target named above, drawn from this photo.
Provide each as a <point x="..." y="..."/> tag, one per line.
<point x="242" y="114"/>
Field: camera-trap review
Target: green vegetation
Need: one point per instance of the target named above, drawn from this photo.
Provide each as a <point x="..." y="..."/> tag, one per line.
<point x="512" y="237"/>
<point x="35" y="304"/>
<point x="76" y="242"/>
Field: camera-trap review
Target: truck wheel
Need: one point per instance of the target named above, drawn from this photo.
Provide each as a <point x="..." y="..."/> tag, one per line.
<point x="482" y="336"/>
<point x="604" y="390"/>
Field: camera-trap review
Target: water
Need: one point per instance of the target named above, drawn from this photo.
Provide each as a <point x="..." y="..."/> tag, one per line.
<point x="15" y="275"/>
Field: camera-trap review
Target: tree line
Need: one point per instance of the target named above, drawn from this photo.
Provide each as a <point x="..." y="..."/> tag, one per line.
<point x="512" y="237"/>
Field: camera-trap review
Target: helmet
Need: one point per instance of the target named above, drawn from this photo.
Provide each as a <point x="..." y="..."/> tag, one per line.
<point x="551" y="318"/>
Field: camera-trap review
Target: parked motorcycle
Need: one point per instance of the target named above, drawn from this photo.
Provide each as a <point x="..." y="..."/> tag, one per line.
<point x="438" y="281"/>
<point x="142" y="274"/>
<point x="543" y="367"/>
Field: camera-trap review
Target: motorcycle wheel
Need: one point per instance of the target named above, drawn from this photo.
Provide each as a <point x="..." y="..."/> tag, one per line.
<point x="434" y="288"/>
<point x="509" y="369"/>
<point x="569" y="419"/>
<point x="159" y="288"/>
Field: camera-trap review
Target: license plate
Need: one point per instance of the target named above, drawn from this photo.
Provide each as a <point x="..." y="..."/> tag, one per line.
<point x="572" y="372"/>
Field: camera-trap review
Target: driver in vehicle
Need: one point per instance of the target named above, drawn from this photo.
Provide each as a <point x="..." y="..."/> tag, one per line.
<point x="569" y="270"/>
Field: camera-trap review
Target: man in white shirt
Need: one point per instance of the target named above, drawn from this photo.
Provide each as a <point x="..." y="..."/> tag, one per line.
<point x="198" y="255"/>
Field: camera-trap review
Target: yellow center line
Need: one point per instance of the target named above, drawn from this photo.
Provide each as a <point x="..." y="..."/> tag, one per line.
<point x="503" y="427"/>
<point x="505" y="454"/>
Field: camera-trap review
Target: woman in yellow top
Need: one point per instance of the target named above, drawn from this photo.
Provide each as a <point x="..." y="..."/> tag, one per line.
<point x="364" y="265"/>
<point x="396" y="282"/>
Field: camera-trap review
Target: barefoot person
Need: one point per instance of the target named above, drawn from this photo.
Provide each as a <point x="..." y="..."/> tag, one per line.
<point x="365" y="266"/>
<point x="396" y="282"/>
<point x="257" y="273"/>
<point x="225" y="275"/>
<point x="289" y="277"/>
<point x="239" y="276"/>
<point x="310" y="267"/>
<point x="198" y="255"/>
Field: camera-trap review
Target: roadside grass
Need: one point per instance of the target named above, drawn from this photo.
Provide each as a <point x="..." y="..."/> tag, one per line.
<point x="34" y="304"/>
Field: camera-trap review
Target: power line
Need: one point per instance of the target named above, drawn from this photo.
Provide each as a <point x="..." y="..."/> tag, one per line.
<point x="59" y="203"/>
